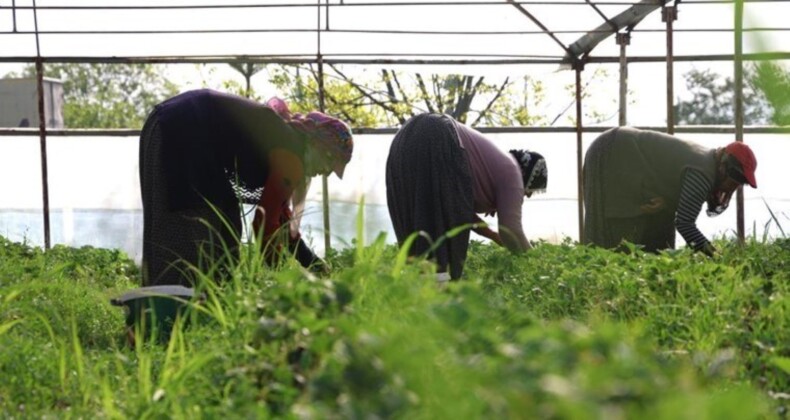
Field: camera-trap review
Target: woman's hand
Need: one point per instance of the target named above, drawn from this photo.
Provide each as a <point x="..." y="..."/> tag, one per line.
<point x="709" y="250"/>
<point x="482" y="229"/>
<point x="307" y="257"/>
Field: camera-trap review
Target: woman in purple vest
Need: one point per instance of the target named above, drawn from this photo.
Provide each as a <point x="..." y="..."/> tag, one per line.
<point x="203" y="153"/>
<point x="639" y="186"/>
<point x="441" y="173"/>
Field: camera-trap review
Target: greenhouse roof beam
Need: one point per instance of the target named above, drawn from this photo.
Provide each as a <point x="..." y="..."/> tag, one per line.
<point x="374" y="31"/>
<point x="627" y="19"/>
<point x="536" y="21"/>
<point x="335" y="59"/>
<point x="603" y="16"/>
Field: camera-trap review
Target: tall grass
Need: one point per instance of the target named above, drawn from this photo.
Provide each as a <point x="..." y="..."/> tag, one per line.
<point x="562" y="331"/>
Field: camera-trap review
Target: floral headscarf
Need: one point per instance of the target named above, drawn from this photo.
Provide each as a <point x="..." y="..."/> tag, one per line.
<point x="534" y="172"/>
<point x="327" y="134"/>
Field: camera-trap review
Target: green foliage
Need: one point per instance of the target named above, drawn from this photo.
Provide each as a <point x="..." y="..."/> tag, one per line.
<point x="23" y="263"/>
<point x="563" y="331"/>
<point x="387" y="97"/>
<point x="107" y="95"/>
<point x="773" y="80"/>
<point x="738" y="303"/>
<point x="712" y="98"/>
<point x="517" y="105"/>
<point x="594" y="84"/>
<point x="300" y="88"/>
<point x="247" y="70"/>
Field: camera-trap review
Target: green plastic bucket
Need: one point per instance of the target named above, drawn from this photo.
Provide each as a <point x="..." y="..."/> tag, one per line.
<point x="153" y="310"/>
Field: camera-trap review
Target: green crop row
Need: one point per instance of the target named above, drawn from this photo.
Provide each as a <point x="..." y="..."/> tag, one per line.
<point x="564" y="331"/>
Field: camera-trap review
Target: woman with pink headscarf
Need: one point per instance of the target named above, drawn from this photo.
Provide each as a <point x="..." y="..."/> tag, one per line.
<point x="203" y="153"/>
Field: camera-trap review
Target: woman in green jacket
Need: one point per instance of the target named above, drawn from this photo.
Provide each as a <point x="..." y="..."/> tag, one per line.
<point x="640" y="186"/>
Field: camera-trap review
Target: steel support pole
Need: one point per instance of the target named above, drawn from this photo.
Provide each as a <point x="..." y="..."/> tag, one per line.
<point x="579" y="173"/>
<point x="623" y="39"/>
<point x="321" y="107"/>
<point x="669" y="14"/>
<point x="739" y="107"/>
<point x="13" y="13"/>
<point x="42" y="129"/>
<point x="324" y="178"/>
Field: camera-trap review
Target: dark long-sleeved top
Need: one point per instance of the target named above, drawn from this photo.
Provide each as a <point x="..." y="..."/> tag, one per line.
<point x="694" y="190"/>
<point x="213" y="139"/>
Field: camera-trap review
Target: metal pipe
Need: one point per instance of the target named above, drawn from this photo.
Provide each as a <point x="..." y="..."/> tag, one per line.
<point x="374" y="4"/>
<point x="326" y="17"/>
<point x="333" y="60"/>
<point x="42" y="128"/>
<point x="371" y="31"/>
<point x="540" y="24"/>
<point x="669" y="15"/>
<point x="13" y="13"/>
<point x="690" y="129"/>
<point x="739" y="108"/>
<point x="612" y="25"/>
<point x="579" y="166"/>
<point x="321" y="107"/>
<point x="308" y="4"/>
<point x="623" y="39"/>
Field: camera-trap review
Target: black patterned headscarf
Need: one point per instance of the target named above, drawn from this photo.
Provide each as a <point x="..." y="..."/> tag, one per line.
<point x="534" y="172"/>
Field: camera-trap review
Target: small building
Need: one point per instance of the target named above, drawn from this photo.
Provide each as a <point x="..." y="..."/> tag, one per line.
<point x="19" y="102"/>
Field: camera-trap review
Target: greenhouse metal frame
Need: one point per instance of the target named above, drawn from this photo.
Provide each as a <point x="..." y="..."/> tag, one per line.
<point x="573" y="55"/>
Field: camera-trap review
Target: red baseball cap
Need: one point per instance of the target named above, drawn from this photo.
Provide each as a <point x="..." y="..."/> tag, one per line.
<point x="745" y="157"/>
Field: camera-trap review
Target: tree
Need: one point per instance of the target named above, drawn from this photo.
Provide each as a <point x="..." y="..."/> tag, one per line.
<point x="712" y="99"/>
<point x="773" y="81"/>
<point x="516" y="105"/>
<point x="594" y="85"/>
<point x="107" y="95"/>
<point x="299" y="85"/>
<point x="390" y="98"/>
<point x="247" y="70"/>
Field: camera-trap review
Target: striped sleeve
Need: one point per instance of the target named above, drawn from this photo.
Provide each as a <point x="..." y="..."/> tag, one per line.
<point x="694" y="189"/>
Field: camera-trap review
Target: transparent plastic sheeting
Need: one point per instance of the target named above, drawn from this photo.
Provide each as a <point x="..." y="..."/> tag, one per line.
<point x="362" y="30"/>
<point x="95" y="197"/>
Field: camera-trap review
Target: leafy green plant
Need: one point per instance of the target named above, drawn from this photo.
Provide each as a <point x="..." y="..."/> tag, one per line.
<point x="561" y="331"/>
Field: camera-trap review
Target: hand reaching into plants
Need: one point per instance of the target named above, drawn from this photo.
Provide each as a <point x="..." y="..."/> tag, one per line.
<point x="482" y="229"/>
<point x="307" y="257"/>
<point x="709" y="250"/>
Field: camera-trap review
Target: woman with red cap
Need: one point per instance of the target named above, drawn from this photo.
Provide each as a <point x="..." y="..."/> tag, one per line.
<point x="203" y="153"/>
<point x="640" y="185"/>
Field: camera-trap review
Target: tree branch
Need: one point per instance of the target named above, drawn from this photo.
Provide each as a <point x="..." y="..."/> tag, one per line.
<point x="424" y="92"/>
<point x="465" y="101"/>
<point x="488" y="107"/>
<point x="583" y="89"/>
<point x="362" y="91"/>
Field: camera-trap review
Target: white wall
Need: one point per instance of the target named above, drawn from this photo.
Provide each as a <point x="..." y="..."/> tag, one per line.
<point x="95" y="197"/>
